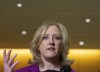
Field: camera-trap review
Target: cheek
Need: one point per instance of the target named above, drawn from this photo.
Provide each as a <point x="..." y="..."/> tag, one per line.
<point x="42" y="46"/>
<point x="59" y="48"/>
<point x="59" y="45"/>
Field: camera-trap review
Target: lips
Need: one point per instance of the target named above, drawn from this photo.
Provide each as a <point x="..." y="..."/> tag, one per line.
<point x="51" y="48"/>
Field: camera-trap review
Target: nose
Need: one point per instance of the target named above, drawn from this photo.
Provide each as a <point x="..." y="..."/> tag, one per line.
<point x="51" y="41"/>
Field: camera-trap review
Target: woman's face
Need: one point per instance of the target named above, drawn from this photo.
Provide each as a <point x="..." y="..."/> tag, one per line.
<point x="50" y="46"/>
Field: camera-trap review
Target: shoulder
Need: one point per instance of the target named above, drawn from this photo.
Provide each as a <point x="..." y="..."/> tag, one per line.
<point x="31" y="68"/>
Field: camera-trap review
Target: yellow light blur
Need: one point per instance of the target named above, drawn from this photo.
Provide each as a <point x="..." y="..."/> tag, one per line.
<point x="85" y="59"/>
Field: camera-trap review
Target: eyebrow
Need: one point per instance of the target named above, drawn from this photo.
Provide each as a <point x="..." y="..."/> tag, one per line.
<point x="53" y="35"/>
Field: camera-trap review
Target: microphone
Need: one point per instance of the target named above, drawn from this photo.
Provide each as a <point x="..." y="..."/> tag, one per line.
<point x="65" y="68"/>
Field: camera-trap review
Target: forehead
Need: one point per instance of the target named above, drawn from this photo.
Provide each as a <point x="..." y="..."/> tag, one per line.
<point x="53" y="29"/>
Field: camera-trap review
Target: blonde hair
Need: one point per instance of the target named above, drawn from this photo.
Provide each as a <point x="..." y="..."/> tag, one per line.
<point x="38" y="38"/>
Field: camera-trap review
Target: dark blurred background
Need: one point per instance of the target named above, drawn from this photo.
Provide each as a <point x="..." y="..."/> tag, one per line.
<point x="27" y="15"/>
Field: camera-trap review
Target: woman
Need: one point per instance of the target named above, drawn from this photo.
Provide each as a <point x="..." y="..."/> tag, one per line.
<point x="49" y="46"/>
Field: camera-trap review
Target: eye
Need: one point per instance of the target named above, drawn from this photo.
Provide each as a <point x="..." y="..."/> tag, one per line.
<point x="45" y="37"/>
<point x="58" y="38"/>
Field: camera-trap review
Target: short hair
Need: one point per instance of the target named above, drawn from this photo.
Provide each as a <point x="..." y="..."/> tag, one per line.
<point x="38" y="38"/>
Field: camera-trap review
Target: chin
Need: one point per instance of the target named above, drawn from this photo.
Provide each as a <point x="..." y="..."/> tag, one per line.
<point x="51" y="56"/>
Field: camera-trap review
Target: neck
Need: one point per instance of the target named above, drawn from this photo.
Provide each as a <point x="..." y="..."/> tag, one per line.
<point x="50" y="64"/>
